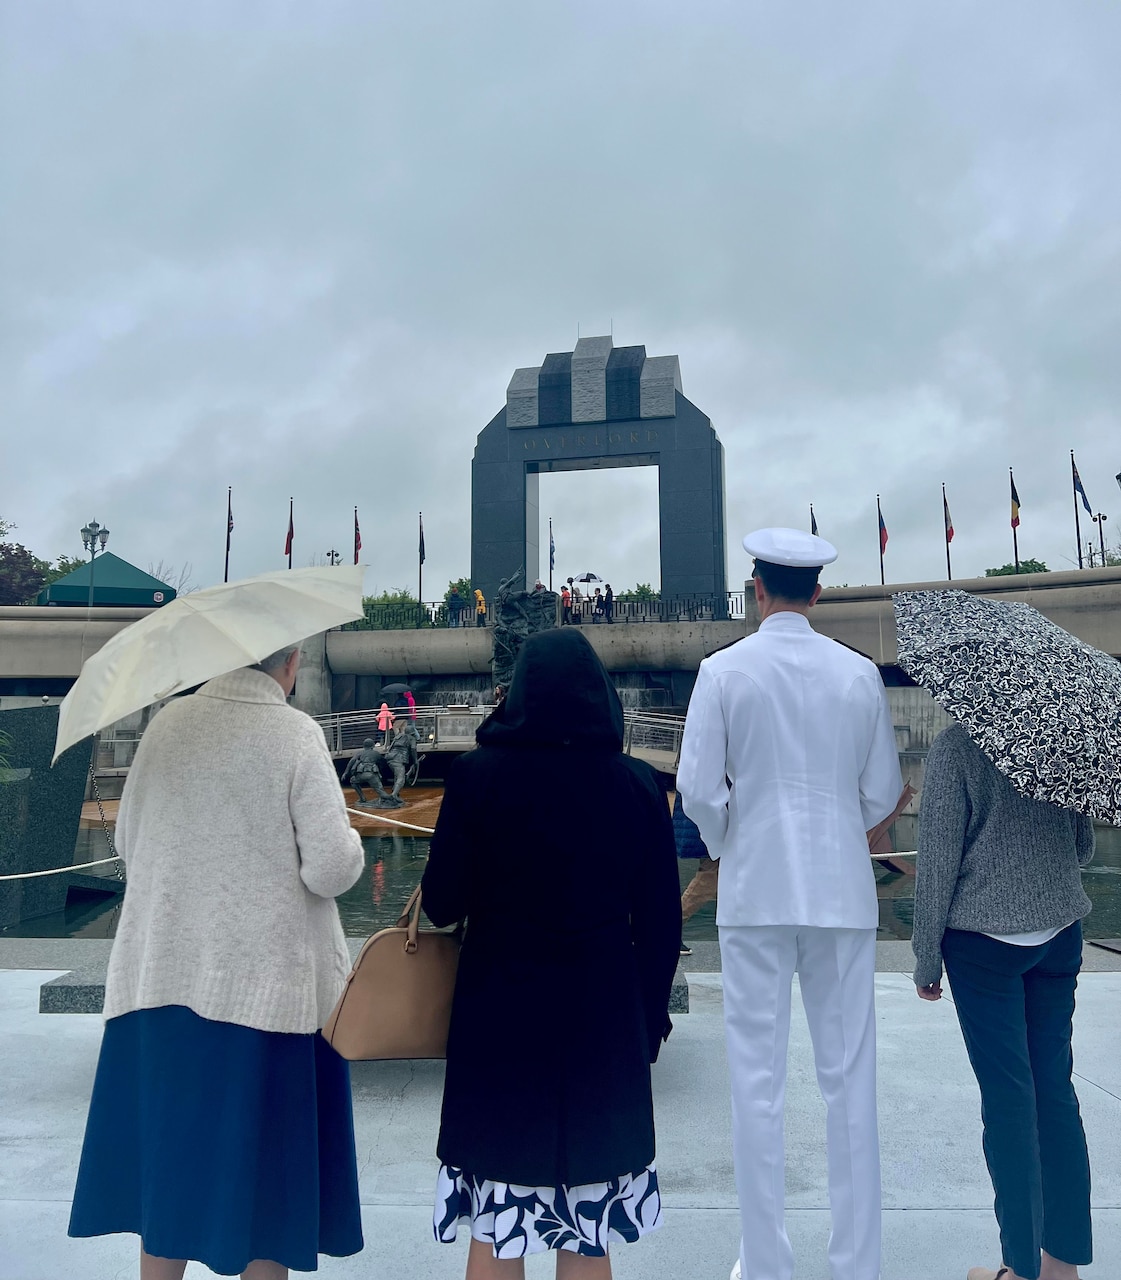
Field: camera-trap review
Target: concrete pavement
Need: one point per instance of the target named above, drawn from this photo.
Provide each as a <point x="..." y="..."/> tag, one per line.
<point x="938" y="1217"/>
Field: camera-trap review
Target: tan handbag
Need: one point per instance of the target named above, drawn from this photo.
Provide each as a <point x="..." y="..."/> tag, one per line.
<point x="397" y="1002"/>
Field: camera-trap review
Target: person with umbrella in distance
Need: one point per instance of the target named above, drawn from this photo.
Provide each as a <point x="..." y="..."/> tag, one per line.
<point x="1004" y="829"/>
<point x="220" y="1127"/>
<point x="788" y="759"/>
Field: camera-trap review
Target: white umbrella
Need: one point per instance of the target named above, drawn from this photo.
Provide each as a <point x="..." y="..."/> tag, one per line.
<point x="589" y="577"/>
<point x="202" y="635"/>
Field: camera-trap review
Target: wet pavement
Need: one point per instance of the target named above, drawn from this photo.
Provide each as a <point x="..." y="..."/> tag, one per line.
<point x="938" y="1204"/>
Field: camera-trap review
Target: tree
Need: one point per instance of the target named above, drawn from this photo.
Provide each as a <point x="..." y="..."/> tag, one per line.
<point x="395" y="610"/>
<point x="6" y="527"/>
<point x="20" y="576"/>
<point x="61" y="567"/>
<point x="178" y="579"/>
<point x="1026" y="566"/>
<point x="463" y="586"/>
<point x="642" y="592"/>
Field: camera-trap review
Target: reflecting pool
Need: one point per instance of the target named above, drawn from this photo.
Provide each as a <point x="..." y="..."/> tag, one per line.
<point x="394" y="864"/>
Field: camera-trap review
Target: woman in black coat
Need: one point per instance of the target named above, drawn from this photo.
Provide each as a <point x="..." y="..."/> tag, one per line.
<point x="561" y="1003"/>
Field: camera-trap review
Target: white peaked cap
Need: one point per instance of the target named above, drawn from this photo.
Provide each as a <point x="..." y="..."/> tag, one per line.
<point x="791" y="547"/>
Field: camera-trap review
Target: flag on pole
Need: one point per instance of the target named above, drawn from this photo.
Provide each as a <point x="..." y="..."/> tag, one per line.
<point x="229" y="530"/>
<point x="420" y="546"/>
<point x="1015" y="502"/>
<point x="883" y="533"/>
<point x="1078" y="489"/>
<point x="357" y="536"/>
<point x="552" y="548"/>
<point x="946" y="514"/>
<point x="813" y="521"/>
<point x="291" y="535"/>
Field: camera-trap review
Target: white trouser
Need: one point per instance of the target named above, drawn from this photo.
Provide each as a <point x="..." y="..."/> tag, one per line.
<point x="836" y="969"/>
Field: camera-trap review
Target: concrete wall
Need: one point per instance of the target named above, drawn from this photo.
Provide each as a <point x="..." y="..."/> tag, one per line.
<point x="1086" y="602"/>
<point x="51" y="643"/>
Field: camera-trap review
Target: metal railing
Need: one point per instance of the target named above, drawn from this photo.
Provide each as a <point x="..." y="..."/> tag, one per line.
<point x="416" y="616"/>
<point x="429" y="614"/>
<point x="685" y="608"/>
<point x="656" y="738"/>
<point x="438" y="728"/>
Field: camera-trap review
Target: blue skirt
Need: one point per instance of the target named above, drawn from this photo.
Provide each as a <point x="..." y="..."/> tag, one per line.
<point x="219" y="1143"/>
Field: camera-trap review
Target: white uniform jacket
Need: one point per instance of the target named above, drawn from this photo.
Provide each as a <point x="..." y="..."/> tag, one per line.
<point x="788" y="759"/>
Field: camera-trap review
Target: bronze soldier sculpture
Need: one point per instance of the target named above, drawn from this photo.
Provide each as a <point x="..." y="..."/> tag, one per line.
<point x="364" y="769"/>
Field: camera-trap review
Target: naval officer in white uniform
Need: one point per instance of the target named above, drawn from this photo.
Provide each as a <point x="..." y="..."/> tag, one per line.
<point x="788" y="758"/>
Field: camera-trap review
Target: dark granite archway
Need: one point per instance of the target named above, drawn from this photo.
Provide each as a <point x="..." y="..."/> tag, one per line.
<point x="600" y="406"/>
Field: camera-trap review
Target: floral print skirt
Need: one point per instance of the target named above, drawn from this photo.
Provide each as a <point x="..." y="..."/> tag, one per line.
<point x="517" y="1220"/>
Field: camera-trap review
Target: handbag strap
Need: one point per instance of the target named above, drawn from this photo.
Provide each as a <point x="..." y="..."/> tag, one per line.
<point x="410" y="919"/>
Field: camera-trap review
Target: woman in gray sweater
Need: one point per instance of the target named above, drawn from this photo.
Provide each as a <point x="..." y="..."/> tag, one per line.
<point x="999" y="901"/>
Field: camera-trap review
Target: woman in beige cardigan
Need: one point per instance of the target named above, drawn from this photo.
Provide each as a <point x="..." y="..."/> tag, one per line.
<point x="220" y="1127"/>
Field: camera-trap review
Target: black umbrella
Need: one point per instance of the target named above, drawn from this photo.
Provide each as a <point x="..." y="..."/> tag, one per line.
<point x="1042" y="705"/>
<point x="392" y="690"/>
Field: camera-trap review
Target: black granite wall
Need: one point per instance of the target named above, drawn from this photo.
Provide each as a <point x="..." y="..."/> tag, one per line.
<point x="40" y="809"/>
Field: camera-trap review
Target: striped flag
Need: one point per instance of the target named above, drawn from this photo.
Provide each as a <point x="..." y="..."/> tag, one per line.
<point x="420" y="547"/>
<point x="946" y="514"/>
<point x="291" y="535"/>
<point x="883" y="533"/>
<point x="552" y="549"/>
<point x="357" y="536"/>
<point x="1015" y="501"/>
<point x="813" y="521"/>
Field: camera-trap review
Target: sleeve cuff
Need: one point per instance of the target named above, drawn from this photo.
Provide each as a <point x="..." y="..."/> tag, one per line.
<point x="927" y="971"/>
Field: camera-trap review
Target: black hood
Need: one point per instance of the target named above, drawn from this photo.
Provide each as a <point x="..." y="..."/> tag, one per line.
<point x="560" y="696"/>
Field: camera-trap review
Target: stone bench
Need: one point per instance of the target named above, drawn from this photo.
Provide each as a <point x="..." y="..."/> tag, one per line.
<point x="82" y="990"/>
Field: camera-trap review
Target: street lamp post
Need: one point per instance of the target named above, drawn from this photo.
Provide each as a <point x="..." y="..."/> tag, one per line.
<point x="334" y="557"/>
<point x="94" y="538"/>
<point x="1100" y="520"/>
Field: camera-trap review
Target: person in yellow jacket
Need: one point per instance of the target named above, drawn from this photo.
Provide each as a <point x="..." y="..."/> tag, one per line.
<point x="480" y="609"/>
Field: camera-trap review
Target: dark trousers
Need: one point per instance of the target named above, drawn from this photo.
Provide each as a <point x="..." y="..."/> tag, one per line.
<point x="1015" y="1006"/>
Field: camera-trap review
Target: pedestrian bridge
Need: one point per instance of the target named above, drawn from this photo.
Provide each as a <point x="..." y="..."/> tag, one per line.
<point x="650" y="737"/>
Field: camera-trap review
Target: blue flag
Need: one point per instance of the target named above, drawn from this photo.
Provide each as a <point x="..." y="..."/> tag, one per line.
<point x="1078" y="489"/>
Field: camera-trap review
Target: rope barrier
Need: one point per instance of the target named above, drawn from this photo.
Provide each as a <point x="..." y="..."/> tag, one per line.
<point x="377" y="817"/>
<point x="57" y="871"/>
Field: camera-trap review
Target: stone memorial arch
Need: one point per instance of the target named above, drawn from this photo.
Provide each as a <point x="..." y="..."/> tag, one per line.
<point x="599" y="406"/>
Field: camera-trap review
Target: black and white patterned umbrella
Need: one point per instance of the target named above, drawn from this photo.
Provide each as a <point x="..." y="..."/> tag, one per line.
<point x="1042" y="705"/>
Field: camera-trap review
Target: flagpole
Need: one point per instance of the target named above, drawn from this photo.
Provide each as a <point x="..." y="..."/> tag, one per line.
<point x="229" y="530"/>
<point x="880" y="536"/>
<point x="1077" y="523"/>
<point x="1015" y="540"/>
<point x="946" y="533"/>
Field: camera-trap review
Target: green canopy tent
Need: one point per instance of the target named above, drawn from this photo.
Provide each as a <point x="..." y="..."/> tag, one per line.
<point x="116" y="583"/>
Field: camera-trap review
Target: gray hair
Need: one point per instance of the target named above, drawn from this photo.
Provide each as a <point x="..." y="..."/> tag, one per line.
<point x="276" y="660"/>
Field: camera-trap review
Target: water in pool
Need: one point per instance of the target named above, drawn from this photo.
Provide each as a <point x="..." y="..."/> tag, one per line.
<point x="394" y="864"/>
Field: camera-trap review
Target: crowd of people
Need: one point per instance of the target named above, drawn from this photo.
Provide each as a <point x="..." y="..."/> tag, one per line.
<point x="578" y="607"/>
<point x="220" y="1127"/>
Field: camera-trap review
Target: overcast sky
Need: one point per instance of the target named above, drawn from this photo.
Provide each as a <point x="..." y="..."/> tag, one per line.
<point x="299" y="249"/>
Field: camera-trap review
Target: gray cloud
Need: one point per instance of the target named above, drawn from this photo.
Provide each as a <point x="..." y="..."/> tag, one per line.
<point x="300" y="249"/>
